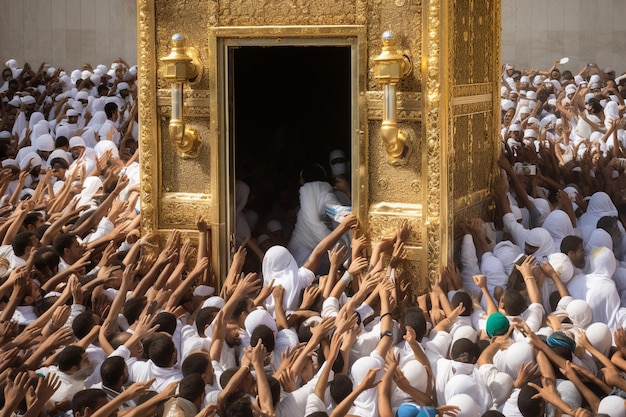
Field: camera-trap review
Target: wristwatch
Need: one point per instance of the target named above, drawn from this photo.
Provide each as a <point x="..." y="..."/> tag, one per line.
<point x="386" y="333"/>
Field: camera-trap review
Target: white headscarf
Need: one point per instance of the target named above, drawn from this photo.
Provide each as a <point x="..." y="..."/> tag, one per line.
<point x="559" y="225"/>
<point x="366" y="404"/>
<point x="465" y="384"/>
<point x="507" y="252"/>
<point x="280" y="265"/>
<point x="466" y="405"/>
<point x="612" y="405"/>
<point x="90" y="188"/>
<point x="541" y="239"/>
<point x="600" y="205"/>
<point x="511" y="359"/>
<point x="579" y="313"/>
<point x="599" y="335"/>
<point x="416" y="374"/>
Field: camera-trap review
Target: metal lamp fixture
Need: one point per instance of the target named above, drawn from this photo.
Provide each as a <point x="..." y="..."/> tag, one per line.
<point x="182" y="64"/>
<point x="390" y="66"/>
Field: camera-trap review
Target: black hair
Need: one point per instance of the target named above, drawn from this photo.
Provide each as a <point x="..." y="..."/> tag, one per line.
<point x="111" y="370"/>
<point x="528" y="406"/>
<point x="570" y="243"/>
<point x="340" y="387"/>
<point x="492" y="413"/>
<point x="161" y="350"/>
<point x="191" y="387"/>
<point x="21" y="242"/>
<point x="607" y="223"/>
<point x="265" y="334"/>
<point x="82" y="324"/>
<point x="31" y="218"/>
<point x="414" y="317"/>
<point x="196" y="362"/>
<point x="205" y="317"/>
<point x="166" y="322"/>
<point x="464" y="350"/>
<point x="514" y="303"/>
<point x="110" y="109"/>
<point x="133" y="308"/>
<point x="63" y="241"/>
<point x="61" y="141"/>
<point x="226" y="376"/>
<point x="87" y="398"/>
<point x="462" y="297"/>
<point x="69" y="357"/>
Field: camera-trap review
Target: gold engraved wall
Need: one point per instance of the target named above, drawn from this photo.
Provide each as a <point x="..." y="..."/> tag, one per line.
<point x="445" y="104"/>
<point x="474" y="77"/>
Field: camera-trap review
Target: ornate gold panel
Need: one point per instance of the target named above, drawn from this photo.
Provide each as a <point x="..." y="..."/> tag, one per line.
<point x="446" y="103"/>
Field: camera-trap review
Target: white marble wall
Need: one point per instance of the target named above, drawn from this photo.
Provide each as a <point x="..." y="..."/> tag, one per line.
<point x="68" y="33"/>
<point x="537" y="32"/>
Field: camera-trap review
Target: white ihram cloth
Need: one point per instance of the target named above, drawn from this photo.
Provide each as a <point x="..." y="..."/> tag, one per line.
<point x="602" y="294"/>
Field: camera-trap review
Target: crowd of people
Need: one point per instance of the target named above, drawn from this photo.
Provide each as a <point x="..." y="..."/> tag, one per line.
<point x="528" y="320"/>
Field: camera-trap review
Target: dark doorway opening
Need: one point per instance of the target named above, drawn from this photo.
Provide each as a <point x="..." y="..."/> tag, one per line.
<point x="290" y="106"/>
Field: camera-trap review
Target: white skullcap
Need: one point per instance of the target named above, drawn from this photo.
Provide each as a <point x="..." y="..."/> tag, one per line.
<point x="552" y="102"/>
<point x="5" y="134"/>
<point x="599" y="335"/>
<point x="82" y="95"/>
<point x="9" y="162"/>
<point x="262" y="238"/>
<point x="531" y="95"/>
<point x="579" y="313"/>
<point x="466" y="404"/>
<point x="504" y="91"/>
<point x="215" y="301"/>
<point x="122" y="86"/>
<point x="524" y="110"/>
<point x="570" y="89"/>
<point x="29" y="100"/>
<point x="63" y="131"/>
<point x="85" y="74"/>
<point x="95" y="79"/>
<point x="530" y="133"/>
<point x="517" y="213"/>
<point x="595" y="78"/>
<point x="578" y="79"/>
<point x="77" y="141"/>
<point x="612" y="405"/>
<point x="464" y="332"/>
<point x="258" y="317"/>
<point x="507" y="104"/>
<point x="133" y="70"/>
<point x="71" y="112"/>
<point x="51" y="70"/>
<point x="32" y="158"/>
<point x="524" y="79"/>
<point x="533" y="120"/>
<point x="75" y="75"/>
<point x="274" y="226"/>
<point x="78" y="106"/>
<point x="203" y="291"/>
<point x="11" y="63"/>
<point x="556" y="83"/>
<point x="101" y="69"/>
<point x="15" y="102"/>
<point x="522" y="93"/>
<point x="104" y="145"/>
<point x="514" y="128"/>
<point x="45" y="143"/>
<point x="416" y="373"/>
<point x="562" y="265"/>
<point x="60" y="154"/>
<point x="589" y="96"/>
<point x="537" y="80"/>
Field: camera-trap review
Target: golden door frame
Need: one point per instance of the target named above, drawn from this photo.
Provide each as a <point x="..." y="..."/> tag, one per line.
<point x="221" y="39"/>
